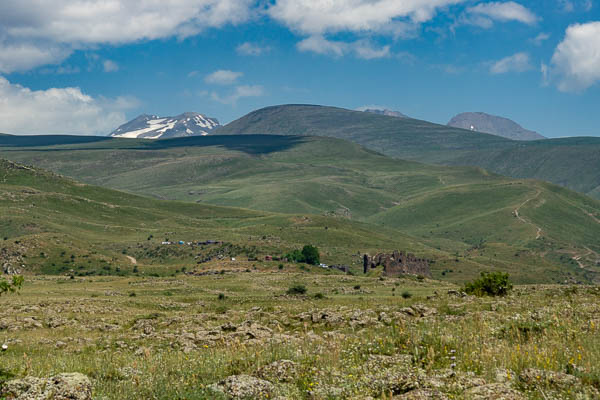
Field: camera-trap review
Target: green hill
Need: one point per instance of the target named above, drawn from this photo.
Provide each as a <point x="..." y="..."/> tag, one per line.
<point x="468" y="219"/>
<point x="55" y="225"/>
<point x="570" y="162"/>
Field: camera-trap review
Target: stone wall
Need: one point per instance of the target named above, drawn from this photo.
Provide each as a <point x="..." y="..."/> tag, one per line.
<point x="397" y="263"/>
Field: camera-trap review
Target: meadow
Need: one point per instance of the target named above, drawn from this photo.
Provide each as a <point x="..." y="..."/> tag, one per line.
<point x="239" y="335"/>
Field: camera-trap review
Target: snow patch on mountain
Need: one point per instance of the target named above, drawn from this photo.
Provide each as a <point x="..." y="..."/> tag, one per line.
<point x="155" y="127"/>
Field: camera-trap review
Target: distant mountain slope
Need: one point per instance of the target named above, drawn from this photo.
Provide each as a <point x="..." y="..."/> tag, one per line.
<point x="570" y="162"/>
<point x="500" y="126"/>
<point x="385" y="111"/>
<point x="529" y="228"/>
<point x="155" y="127"/>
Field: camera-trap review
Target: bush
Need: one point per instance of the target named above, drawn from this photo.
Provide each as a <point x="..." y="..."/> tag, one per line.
<point x="356" y="287"/>
<point x="12" y="285"/>
<point x="406" y="294"/>
<point x="297" y="289"/>
<point x="490" y="284"/>
<point x="319" y="296"/>
<point x="309" y="254"/>
<point x="221" y="296"/>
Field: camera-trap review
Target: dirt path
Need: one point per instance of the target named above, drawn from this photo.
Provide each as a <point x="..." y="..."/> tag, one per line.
<point x="132" y="259"/>
<point x="539" y="231"/>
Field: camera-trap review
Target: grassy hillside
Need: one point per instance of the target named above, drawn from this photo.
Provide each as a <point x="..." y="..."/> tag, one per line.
<point x="475" y="220"/>
<point x="570" y="162"/>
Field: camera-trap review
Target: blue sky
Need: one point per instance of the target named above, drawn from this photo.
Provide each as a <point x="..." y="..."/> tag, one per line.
<point x="86" y="66"/>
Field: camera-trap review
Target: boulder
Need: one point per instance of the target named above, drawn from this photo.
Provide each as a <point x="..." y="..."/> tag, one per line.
<point x="68" y="386"/>
<point x="244" y="387"/>
<point x="493" y="391"/>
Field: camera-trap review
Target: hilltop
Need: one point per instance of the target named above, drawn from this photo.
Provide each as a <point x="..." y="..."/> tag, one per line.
<point x="495" y="125"/>
<point x="570" y="162"/>
<point x="532" y="229"/>
<point x="154" y="127"/>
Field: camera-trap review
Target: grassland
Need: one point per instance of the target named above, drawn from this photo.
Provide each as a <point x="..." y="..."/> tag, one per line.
<point x="459" y="216"/>
<point x="175" y="337"/>
<point x="570" y="162"/>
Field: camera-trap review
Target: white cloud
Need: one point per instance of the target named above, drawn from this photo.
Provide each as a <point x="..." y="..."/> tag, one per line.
<point x="519" y="62"/>
<point x="318" y="17"/>
<point x="576" y="60"/>
<point x="24" y="56"/>
<point x="37" y="32"/>
<point x="223" y="77"/>
<point x="110" y="66"/>
<point x="484" y="14"/>
<point x="540" y="38"/>
<point x="58" y="110"/>
<point x="252" y="49"/>
<point x="360" y="48"/>
<point x="239" y="93"/>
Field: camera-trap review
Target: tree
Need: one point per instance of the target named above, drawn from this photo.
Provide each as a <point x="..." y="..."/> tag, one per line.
<point x="311" y="254"/>
<point x="12" y="285"/>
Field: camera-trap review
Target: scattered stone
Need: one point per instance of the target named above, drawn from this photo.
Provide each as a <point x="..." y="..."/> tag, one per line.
<point x="279" y="371"/>
<point x="422" y="394"/>
<point x="541" y="378"/>
<point x="244" y="387"/>
<point x="493" y="391"/>
<point x="68" y="386"/>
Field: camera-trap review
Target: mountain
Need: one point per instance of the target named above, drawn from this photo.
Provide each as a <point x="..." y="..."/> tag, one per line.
<point x="154" y="127"/>
<point x="465" y="218"/>
<point x="500" y="126"/>
<point x="385" y="111"/>
<point x="571" y="162"/>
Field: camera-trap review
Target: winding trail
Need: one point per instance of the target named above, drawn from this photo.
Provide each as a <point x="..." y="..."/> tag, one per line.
<point x="539" y="231"/>
<point x="132" y="259"/>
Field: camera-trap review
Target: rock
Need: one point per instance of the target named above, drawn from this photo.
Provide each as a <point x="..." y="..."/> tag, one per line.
<point x="541" y="378"/>
<point x="397" y="264"/>
<point x="422" y="394"/>
<point x="279" y="371"/>
<point x="493" y="391"/>
<point x="68" y="386"/>
<point x="244" y="387"/>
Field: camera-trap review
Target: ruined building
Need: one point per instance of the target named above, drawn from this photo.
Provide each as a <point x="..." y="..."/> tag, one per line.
<point x="397" y="263"/>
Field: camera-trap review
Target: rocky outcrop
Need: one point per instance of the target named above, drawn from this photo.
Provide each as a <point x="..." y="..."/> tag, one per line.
<point x="71" y="386"/>
<point x="397" y="263"/>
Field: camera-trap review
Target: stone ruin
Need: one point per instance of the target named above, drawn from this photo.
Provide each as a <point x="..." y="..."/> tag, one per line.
<point x="397" y="264"/>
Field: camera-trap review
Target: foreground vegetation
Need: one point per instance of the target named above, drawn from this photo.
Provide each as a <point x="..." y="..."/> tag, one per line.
<point x="345" y="337"/>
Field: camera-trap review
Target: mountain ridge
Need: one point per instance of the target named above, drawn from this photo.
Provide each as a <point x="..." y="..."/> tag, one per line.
<point x="493" y="124"/>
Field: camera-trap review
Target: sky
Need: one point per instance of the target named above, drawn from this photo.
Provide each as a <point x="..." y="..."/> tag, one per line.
<point x="87" y="66"/>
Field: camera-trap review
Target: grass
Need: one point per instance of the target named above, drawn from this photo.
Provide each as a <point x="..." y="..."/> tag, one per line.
<point x="463" y="218"/>
<point x="141" y="354"/>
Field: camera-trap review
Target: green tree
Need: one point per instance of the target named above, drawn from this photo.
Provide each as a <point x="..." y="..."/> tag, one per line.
<point x="490" y="284"/>
<point x="12" y="285"/>
<point x="311" y="254"/>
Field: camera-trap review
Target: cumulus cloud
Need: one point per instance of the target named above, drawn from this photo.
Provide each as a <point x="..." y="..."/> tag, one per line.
<point x="223" y="77"/>
<point x="576" y="60"/>
<point x="329" y="16"/>
<point x="360" y="48"/>
<point x="252" y="49"/>
<point x="519" y="62"/>
<point x="484" y="14"/>
<point x="239" y="93"/>
<point x="41" y="32"/>
<point x="58" y="110"/>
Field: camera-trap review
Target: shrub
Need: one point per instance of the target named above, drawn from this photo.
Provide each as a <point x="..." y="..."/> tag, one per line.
<point x="319" y="296"/>
<point x="297" y="289"/>
<point x="490" y="284"/>
<point x="12" y="285"/>
<point x="356" y="287"/>
<point x="221" y="296"/>
<point x="406" y="294"/>
<point x="280" y="266"/>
